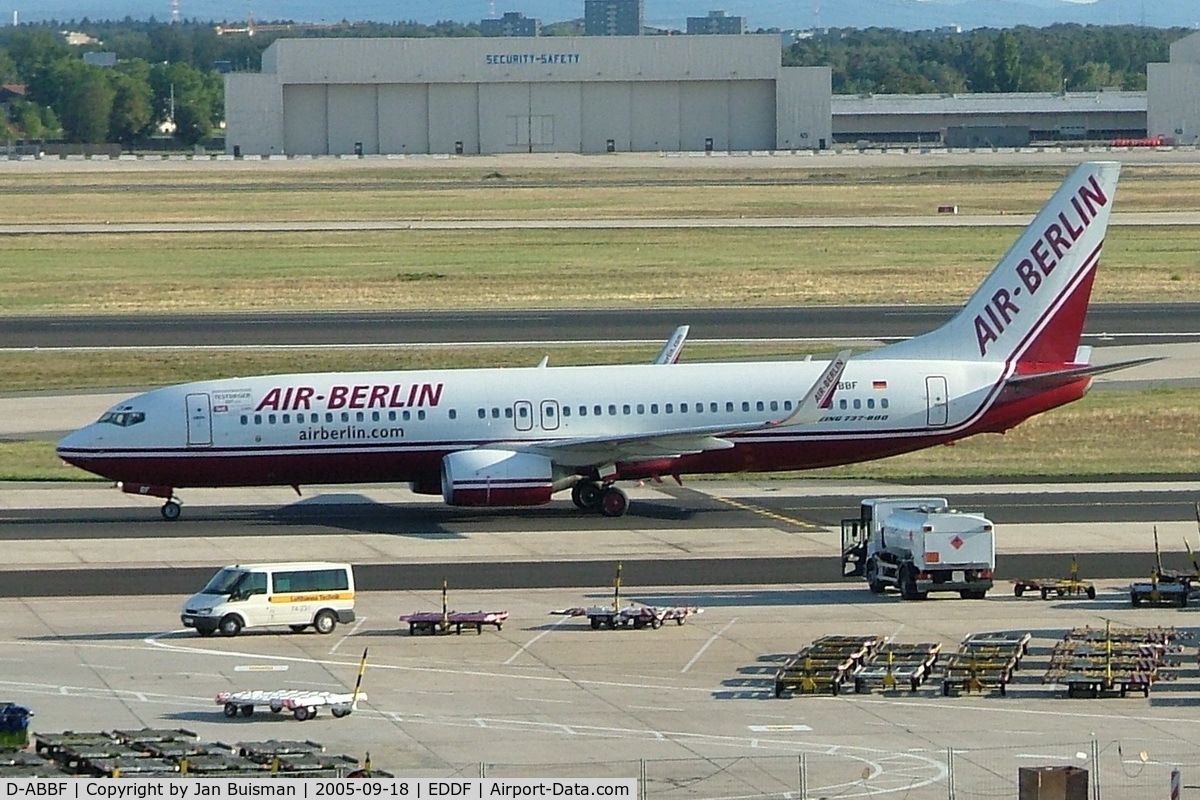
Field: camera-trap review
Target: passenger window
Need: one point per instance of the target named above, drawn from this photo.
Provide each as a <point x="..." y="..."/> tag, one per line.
<point x="654" y="408"/>
<point x="699" y="408"/>
<point x="245" y="420"/>
<point x="870" y="402"/>
<point x="759" y="406"/>
<point x="583" y="411"/>
<point x="495" y="413"/>
<point x="482" y="413"/>
<point x="626" y="409"/>
<point x="345" y="416"/>
<point x="508" y="413"/>
<point x="612" y="410"/>
<point x="258" y="419"/>
<point x="669" y="408"/>
<point x="358" y="416"/>
<point x="787" y="405"/>
<point x="566" y="411"/>
<point x="774" y="405"/>
<point x="597" y="411"/>
<point x="407" y="415"/>
<point x="391" y="416"/>
<point x="883" y="403"/>
<point x="641" y="408"/>
<point x="329" y="416"/>
<point x="549" y="411"/>
<point x="712" y="407"/>
<point x="842" y="403"/>
<point x="857" y="403"/>
<point x="683" y="407"/>
<point x="453" y="414"/>
<point x="287" y="418"/>
<point x="374" y="416"/>
<point x="522" y="412"/>
<point x="257" y="584"/>
<point x="728" y="408"/>
<point x="421" y="414"/>
<point x="745" y="405"/>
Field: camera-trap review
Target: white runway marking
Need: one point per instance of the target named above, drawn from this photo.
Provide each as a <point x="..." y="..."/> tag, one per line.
<point x="528" y="644"/>
<point x="358" y="624"/>
<point x="705" y="646"/>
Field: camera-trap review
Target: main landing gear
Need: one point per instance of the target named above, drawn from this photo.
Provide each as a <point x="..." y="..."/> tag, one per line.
<point x="607" y="500"/>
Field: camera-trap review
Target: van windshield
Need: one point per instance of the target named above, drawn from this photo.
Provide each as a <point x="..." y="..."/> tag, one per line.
<point x="225" y="582"/>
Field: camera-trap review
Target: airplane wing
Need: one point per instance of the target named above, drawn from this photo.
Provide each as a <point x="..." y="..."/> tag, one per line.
<point x="644" y="445"/>
<point x="674" y="346"/>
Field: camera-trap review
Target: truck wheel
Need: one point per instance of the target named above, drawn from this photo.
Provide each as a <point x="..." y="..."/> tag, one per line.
<point x="908" y="584"/>
<point x="595" y="623"/>
<point x="1018" y="589"/>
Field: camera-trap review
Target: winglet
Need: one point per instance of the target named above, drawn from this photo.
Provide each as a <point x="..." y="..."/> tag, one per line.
<point x="820" y="395"/>
<point x="674" y="346"/>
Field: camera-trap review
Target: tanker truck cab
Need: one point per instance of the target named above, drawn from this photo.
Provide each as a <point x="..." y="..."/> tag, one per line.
<point x="297" y="595"/>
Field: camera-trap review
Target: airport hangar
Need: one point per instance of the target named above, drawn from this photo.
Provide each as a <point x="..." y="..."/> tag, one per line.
<point x="537" y="94"/>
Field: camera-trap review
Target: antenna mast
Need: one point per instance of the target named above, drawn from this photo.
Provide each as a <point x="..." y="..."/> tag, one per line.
<point x="174" y="12"/>
<point x="816" y="15"/>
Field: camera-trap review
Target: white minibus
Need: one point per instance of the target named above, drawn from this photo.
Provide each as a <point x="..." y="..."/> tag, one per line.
<point x="253" y="595"/>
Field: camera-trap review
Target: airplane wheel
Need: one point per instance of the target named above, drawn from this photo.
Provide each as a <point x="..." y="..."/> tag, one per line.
<point x="171" y="510"/>
<point x="586" y="496"/>
<point x="613" y="503"/>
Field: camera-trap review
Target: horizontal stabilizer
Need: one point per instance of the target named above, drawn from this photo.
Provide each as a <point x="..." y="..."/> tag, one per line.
<point x="1045" y="380"/>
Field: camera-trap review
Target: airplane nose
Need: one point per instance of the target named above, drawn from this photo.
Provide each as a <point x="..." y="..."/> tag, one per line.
<point x="84" y="437"/>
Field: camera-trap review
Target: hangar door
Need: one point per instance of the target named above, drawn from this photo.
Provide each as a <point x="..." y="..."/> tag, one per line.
<point x="305" y="119"/>
<point x="529" y="117"/>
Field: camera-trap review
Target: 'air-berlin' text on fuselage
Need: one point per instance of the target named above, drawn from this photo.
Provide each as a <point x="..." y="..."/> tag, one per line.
<point x="369" y="395"/>
<point x="1044" y="255"/>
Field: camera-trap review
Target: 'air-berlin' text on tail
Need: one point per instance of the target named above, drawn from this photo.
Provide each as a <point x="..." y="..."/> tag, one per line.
<point x="1031" y="308"/>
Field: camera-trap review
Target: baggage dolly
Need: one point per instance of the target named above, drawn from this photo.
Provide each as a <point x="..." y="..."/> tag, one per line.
<point x="1070" y="586"/>
<point x="446" y="621"/>
<point x="634" y="616"/>
<point x="303" y="703"/>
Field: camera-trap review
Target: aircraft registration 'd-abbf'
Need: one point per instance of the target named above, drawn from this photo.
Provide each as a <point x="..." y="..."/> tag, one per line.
<point x="514" y="437"/>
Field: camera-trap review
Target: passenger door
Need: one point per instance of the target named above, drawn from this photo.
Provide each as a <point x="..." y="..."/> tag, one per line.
<point x="199" y="420"/>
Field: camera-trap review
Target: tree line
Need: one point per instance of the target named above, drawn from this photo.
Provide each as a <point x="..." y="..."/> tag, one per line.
<point x="1024" y="59"/>
<point x="170" y="71"/>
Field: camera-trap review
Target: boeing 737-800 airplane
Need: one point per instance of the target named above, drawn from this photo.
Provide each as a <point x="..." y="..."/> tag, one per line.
<point x="514" y="437"/>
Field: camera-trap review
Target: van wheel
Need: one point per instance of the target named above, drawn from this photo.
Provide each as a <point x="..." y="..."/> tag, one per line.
<point x="231" y="626"/>
<point x="325" y="621"/>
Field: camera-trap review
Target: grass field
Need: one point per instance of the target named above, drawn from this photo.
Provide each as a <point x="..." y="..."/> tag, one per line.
<point x="540" y="268"/>
<point x="404" y="193"/>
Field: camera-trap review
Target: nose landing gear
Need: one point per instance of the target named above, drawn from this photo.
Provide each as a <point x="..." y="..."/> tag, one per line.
<point x="171" y="510"/>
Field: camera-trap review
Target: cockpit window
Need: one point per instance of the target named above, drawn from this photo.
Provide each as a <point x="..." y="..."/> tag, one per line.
<point x="123" y="418"/>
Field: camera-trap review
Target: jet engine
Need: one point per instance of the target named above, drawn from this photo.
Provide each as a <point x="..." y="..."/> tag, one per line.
<point x="497" y="478"/>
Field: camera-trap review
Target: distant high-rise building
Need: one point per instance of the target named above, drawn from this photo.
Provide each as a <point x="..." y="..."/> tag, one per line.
<point x="716" y="22"/>
<point x="513" y="23"/>
<point x="613" y="17"/>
